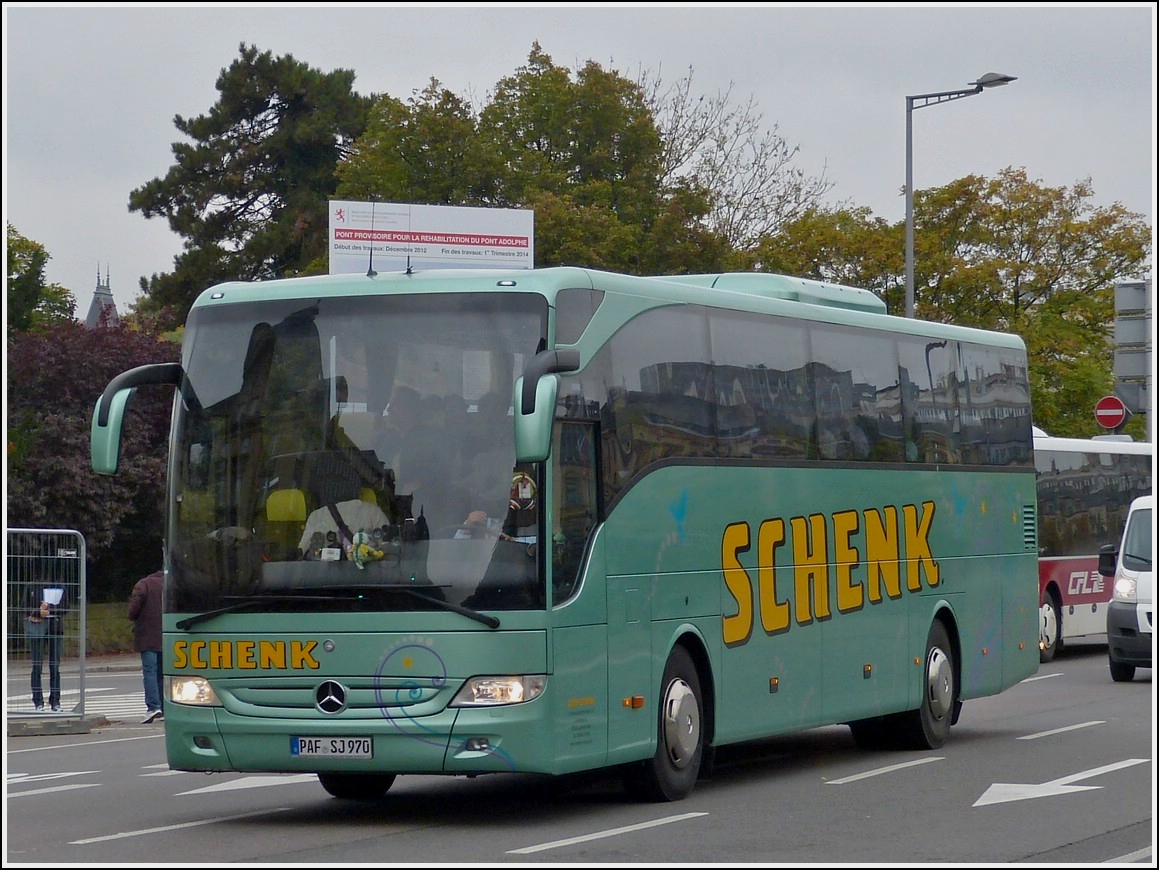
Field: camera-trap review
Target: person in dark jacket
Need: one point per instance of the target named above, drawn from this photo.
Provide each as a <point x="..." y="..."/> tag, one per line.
<point x="145" y="611"/>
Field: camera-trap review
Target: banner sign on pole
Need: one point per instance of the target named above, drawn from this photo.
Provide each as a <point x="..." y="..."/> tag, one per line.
<point x="391" y="237"/>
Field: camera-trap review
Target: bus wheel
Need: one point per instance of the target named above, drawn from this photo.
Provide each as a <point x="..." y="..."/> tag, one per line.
<point x="928" y="726"/>
<point x="873" y="733"/>
<point x="1049" y="627"/>
<point x="356" y="786"/>
<point x="670" y="774"/>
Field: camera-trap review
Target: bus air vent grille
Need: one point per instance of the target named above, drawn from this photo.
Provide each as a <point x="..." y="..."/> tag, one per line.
<point x="1029" y="529"/>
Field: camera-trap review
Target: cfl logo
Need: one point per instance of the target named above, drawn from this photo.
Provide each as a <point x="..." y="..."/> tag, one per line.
<point x="1085" y="583"/>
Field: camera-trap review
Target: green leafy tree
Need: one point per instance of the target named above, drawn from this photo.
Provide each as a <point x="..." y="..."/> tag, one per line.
<point x="581" y="150"/>
<point x="426" y="150"/>
<point x="33" y="303"/>
<point x="249" y="192"/>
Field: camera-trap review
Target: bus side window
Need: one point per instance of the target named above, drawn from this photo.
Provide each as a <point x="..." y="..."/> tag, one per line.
<point x="576" y="510"/>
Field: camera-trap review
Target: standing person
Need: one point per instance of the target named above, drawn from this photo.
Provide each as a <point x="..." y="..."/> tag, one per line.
<point x="44" y="628"/>
<point x="145" y="611"/>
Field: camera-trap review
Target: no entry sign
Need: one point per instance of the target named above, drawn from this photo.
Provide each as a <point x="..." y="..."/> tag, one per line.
<point x="1110" y="412"/>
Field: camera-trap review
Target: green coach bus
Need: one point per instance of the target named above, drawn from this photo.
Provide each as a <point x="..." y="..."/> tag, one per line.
<point x="553" y="520"/>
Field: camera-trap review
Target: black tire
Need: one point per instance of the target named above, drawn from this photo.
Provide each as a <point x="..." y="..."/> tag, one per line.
<point x="356" y="786"/>
<point x="671" y="772"/>
<point x="928" y="726"/>
<point x="878" y="732"/>
<point x="1121" y="673"/>
<point x="1049" y="627"/>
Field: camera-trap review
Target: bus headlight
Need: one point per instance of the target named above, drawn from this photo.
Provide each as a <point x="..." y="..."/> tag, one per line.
<point x="496" y="691"/>
<point x="193" y="690"/>
<point x="1126" y="589"/>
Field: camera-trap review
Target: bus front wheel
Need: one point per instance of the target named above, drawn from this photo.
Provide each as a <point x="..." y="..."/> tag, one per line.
<point x="356" y="786"/>
<point x="671" y="772"/>
<point x="928" y="726"/>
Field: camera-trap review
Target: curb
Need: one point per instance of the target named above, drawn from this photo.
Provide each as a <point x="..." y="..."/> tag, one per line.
<point x="33" y="727"/>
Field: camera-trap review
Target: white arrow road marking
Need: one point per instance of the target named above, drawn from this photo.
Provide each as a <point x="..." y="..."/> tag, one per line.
<point x="254" y="782"/>
<point x="1002" y="792"/>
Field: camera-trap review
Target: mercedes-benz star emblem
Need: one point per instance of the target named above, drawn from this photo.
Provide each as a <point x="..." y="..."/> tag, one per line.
<point x="330" y="697"/>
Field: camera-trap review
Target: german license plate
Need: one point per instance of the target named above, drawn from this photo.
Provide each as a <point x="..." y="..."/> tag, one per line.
<point x="331" y="747"/>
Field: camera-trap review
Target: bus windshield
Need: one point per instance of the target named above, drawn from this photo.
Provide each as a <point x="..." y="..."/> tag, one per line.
<point x="354" y="453"/>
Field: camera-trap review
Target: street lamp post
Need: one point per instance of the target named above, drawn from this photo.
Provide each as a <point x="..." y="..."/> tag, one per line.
<point x="919" y="101"/>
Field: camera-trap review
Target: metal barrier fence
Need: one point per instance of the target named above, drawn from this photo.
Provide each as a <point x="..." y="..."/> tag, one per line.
<point x="45" y="622"/>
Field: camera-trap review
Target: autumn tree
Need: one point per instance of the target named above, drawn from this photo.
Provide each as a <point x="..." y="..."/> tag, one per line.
<point x="1013" y="254"/>
<point x="1005" y="253"/>
<point x="32" y="302"/>
<point x="987" y="251"/>
<point x="249" y="191"/>
<point x="842" y="246"/>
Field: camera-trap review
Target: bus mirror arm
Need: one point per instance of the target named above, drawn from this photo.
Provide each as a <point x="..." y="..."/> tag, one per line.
<point x="544" y="363"/>
<point x="158" y="373"/>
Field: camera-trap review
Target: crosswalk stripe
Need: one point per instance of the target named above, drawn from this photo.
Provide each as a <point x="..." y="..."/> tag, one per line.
<point x="115" y="708"/>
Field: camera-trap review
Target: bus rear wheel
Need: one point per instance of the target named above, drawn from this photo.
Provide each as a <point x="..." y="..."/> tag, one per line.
<point x="928" y="726"/>
<point x="1049" y="627"/>
<point x="671" y="772"/>
<point x="356" y="786"/>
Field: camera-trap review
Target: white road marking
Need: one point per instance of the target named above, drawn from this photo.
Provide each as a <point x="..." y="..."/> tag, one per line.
<point x="890" y="769"/>
<point x="1041" y="677"/>
<point x="600" y="835"/>
<point x="55" y="788"/>
<point x="254" y="782"/>
<point x="1062" y="730"/>
<point x="126" y="834"/>
<point x="1004" y="792"/>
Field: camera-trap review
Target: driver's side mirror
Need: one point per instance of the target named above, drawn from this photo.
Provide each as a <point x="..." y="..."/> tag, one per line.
<point x="535" y="397"/>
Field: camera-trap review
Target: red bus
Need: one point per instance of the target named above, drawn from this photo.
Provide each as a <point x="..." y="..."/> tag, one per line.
<point x="1085" y="486"/>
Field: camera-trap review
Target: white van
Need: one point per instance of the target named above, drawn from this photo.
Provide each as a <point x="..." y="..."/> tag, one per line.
<point x="1129" y="615"/>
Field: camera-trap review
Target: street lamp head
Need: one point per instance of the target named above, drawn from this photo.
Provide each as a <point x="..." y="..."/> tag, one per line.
<point x="993" y="80"/>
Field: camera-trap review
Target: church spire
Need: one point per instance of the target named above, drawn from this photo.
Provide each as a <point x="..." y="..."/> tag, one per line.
<point x="103" y="309"/>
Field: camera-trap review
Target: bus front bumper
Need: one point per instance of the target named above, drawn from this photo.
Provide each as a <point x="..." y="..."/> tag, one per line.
<point x="461" y="741"/>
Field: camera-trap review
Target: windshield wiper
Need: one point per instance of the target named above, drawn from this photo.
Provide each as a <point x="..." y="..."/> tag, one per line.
<point x="1134" y="558"/>
<point x="489" y="621"/>
<point x="191" y="621"/>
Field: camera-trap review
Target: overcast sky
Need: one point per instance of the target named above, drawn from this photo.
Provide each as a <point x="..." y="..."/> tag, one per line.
<point x="91" y="92"/>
